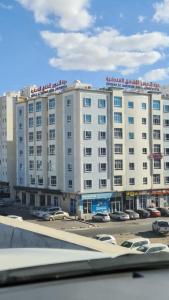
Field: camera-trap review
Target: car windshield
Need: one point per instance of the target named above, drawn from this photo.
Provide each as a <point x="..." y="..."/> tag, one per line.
<point x="127" y="244"/>
<point x="142" y="249"/>
<point x="163" y="224"/>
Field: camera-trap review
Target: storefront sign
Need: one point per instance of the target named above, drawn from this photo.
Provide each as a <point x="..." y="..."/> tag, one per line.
<point x="57" y="87"/>
<point x="132" y="194"/>
<point x="132" y="84"/>
<point x="97" y="196"/>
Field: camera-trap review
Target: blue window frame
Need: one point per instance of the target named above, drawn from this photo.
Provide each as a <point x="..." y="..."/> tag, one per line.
<point x="156" y="104"/>
<point x="130" y="120"/>
<point x="30" y="107"/>
<point x="143" y="105"/>
<point x="86" y="102"/>
<point x="117" y="117"/>
<point x="166" y="108"/>
<point x="117" y="101"/>
<point x="102" y="119"/>
<point x="52" y="103"/>
<point x="101" y="103"/>
<point x="130" y="104"/>
<point x="131" y="135"/>
<point x="38" y="106"/>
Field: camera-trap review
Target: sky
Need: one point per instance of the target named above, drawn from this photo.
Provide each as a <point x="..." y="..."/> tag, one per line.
<point x="43" y="41"/>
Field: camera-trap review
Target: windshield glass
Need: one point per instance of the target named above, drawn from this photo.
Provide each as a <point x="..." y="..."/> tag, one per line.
<point x="127" y="244"/>
<point x="142" y="249"/>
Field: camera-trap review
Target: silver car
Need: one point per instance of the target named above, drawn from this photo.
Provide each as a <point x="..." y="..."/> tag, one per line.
<point x="119" y="215"/>
<point x="57" y="215"/>
<point x="101" y="217"/>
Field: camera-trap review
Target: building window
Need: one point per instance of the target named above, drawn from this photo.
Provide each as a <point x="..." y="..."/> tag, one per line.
<point x="130" y="120"/>
<point x="117" y="117"/>
<point x="156" y="134"/>
<point x="118" y="180"/>
<point x="102" y="167"/>
<point x="144" y="135"/>
<point x="87" y="168"/>
<point x="31" y="165"/>
<point x="166" y="122"/>
<point x="131" y="135"/>
<point x="68" y="102"/>
<point x="157" y="148"/>
<point x="166" y="179"/>
<point x="102" y="119"/>
<point x="38" y="106"/>
<point x="51" y="149"/>
<point x="38" y="121"/>
<point x="101" y="103"/>
<point x="166" y="108"/>
<point x="144" y="150"/>
<point x="30" y="122"/>
<point x="157" y="163"/>
<point x="166" y="165"/>
<point x="30" y="107"/>
<point x="86" y="102"/>
<point x="87" y="151"/>
<point x="166" y="137"/>
<point x="144" y="121"/>
<point x="69" y="167"/>
<point x="31" y="150"/>
<point x="53" y="180"/>
<point x="130" y="104"/>
<point x="156" y="178"/>
<point x="39" y="150"/>
<point x="117" y="101"/>
<point x="131" y="181"/>
<point x="87" y="184"/>
<point x="51" y="134"/>
<point x="39" y="135"/>
<point x="118" y="164"/>
<point x="69" y="134"/>
<point x="20" y="126"/>
<point x="51" y="103"/>
<point x="156" y="104"/>
<point x="102" y="151"/>
<point x="145" y="180"/>
<point x="69" y="119"/>
<point x="131" y="150"/>
<point x="87" y="119"/>
<point x="144" y="165"/>
<point x="49" y="200"/>
<point x="102" y="183"/>
<point x="166" y="151"/>
<point x="143" y="105"/>
<point x="39" y="165"/>
<point x="102" y="135"/>
<point x="51" y="119"/>
<point x="87" y="135"/>
<point x="32" y="180"/>
<point x="69" y="151"/>
<point x="70" y="183"/>
<point x="40" y="180"/>
<point x="156" y="120"/>
<point x="87" y="206"/>
<point x="131" y="166"/>
<point x="30" y="136"/>
<point x="118" y="148"/>
<point x="118" y="133"/>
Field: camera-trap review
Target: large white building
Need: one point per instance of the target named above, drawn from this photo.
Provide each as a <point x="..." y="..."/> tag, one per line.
<point x="91" y="150"/>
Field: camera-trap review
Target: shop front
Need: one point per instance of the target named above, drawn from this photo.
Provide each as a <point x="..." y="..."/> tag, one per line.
<point x="90" y="204"/>
<point x="116" y="202"/>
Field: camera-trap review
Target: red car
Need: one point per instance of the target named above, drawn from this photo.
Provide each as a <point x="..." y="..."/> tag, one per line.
<point x="154" y="213"/>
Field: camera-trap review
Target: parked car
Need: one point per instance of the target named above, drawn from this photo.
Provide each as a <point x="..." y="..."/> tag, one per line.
<point x="143" y="213"/>
<point x="101" y="217"/>
<point x="15" y="217"/>
<point x="119" y="215"/>
<point x="47" y="210"/>
<point x="154" y="213"/>
<point x="160" y="226"/>
<point x="153" y="248"/>
<point x="132" y="214"/>
<point x="164" y="211"/>
<point x="106" y="238"/>
<point x="57" y="215"/>
<point x="135" y="243"/>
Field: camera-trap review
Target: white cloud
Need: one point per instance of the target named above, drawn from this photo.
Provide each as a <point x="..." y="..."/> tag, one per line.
<point x="70" y="15"/>
<point x="141" y="19"/>
<point x="161" y="11"/>
<point x="4" y="6"/>
<point x="105" y="50"/>
<point x="156" y="74"/>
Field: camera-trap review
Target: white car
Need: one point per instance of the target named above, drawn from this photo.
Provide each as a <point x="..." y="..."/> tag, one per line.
<point x="160" y="226"/>
<point x="153" y="248"/>
<point x="135" y="243"/>
<point x="57" y="215"/>
<point x="47" y="210"/>
<point x="101" y="217"/>
<point x="119" y="215"/>
<point x="106" y="238"/>
<point x="15" y="217"/>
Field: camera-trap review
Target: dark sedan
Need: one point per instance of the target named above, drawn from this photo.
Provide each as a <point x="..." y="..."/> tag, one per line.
<point x="143" y="213"/>
<point x="164" y="211"/>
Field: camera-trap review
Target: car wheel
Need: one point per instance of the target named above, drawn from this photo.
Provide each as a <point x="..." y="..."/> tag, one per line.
<point x="51" y="219"/>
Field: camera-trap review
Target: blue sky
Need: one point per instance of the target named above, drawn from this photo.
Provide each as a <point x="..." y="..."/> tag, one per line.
<point x="44" y="41"/>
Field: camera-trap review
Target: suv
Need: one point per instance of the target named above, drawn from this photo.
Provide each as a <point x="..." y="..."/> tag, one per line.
<point x="160" y="226"/>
